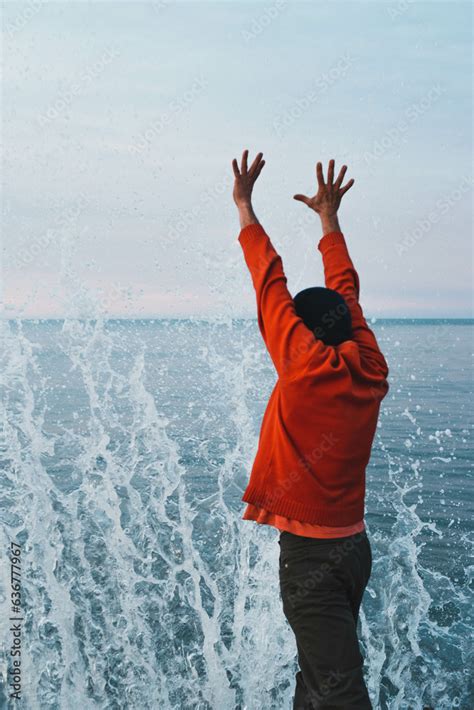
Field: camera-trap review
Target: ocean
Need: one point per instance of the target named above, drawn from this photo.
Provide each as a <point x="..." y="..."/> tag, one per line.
<point x="125" y="450"/>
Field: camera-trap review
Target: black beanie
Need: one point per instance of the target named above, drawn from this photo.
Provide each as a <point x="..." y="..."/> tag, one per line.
<point x="326" y="313"/>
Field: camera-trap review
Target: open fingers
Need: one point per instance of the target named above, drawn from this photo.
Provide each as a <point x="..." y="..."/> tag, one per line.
<point x="347" y="187"/>
<point x="302" y="198"/>
<point x="340" y="177"/>
<point x="319" y="174"/>
<point x="258" y="169"/>
<point x="235" y="167"/>
<point x="330" y="172"/>
<point x="255" y="163"/>
<point x="243" y="168"/>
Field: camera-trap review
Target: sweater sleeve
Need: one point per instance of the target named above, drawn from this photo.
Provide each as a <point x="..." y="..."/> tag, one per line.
<point x="285" y="335"/>
<point x="341" y="276"/>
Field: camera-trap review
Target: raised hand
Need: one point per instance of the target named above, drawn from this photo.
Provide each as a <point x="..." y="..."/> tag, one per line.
<point x="245" y="178"/>
<point x="328" y="198"/>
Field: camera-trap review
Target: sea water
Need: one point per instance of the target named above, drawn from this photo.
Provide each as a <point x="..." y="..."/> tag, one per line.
<point x="126" y="449"/>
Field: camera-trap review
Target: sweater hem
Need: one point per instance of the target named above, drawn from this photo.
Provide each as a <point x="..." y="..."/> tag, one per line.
<point x="251" y="230"/>
<point x="331" y="239"/>
<point x="304" y="512"/>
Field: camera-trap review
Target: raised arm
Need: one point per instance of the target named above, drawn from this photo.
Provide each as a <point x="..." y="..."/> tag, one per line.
<point x="339" y="270"/>
<point x="286" y="337"/>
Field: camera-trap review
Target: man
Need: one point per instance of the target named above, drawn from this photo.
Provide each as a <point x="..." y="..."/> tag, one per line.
<point x="308" y="477"/>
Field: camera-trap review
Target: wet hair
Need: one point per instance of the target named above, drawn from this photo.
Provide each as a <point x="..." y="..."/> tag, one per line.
<point x="326" y="313"/>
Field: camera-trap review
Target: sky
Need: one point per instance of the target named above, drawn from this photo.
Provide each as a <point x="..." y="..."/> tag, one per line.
<point x="120" y="121"/>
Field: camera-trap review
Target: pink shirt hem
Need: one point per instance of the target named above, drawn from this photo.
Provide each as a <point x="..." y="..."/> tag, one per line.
<point x="264" y="517"/>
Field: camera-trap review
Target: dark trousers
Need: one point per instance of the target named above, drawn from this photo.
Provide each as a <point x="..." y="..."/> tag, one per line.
<point x="321" y="584"/>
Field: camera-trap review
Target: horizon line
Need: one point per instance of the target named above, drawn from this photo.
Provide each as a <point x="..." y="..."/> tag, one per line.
<point x="370" y="320"/>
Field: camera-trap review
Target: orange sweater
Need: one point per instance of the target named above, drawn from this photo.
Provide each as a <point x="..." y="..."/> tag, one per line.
<point x="320" y="421"/>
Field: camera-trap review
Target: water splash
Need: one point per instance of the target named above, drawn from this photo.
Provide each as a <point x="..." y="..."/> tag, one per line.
<point x="126" y="449"/>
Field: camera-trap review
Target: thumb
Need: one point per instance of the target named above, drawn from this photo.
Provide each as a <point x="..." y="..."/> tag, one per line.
<point x="302" y="198"/>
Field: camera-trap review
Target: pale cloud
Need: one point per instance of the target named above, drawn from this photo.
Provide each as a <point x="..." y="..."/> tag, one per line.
<point x="156" y="222"/>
